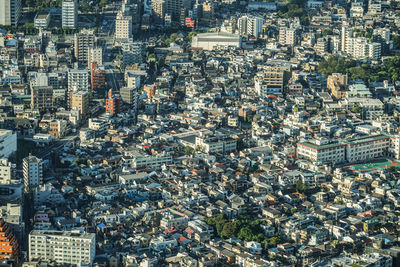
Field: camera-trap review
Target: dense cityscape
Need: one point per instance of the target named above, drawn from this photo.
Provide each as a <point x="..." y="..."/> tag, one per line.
<point x="199" y="133"/>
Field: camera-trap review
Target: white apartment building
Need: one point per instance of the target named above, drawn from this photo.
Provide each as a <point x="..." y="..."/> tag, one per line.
<point x="123" y="27"/>
<point x="288" y="36"/>
<point x="8" y="141"/>
<point x="6" y="171"/>
<point x="98" y="124"/>
<point x="351" y="150"/>
<point x="140" y="160"/>
<point x="78" y="80"/>
<point x="250" y="25"/>
<point x="214" y="145"/>
<point x="42" y="20"/>
<point x="63" y="247"/>
<point x="359" y="47"/>
<point x="69" y="16"/>
<point x="32" y="168"/>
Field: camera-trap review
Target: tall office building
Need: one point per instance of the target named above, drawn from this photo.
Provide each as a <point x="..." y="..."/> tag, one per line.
<point x="69" y="15"/>
<point x="84" y="41"/>
<point x="10" y="12"/>
<point x="72" y="248"/>
<point x="32" y="168"/>
<point x="123" y="27"/>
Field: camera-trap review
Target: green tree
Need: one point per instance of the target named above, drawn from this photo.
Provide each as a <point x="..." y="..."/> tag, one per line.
<point x="300" y="186"/>
<point x="188" y="150"/>
<point x="228" y="230"/>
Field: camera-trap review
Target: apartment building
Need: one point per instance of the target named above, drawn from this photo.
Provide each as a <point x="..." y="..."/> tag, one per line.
<point x="131" y="53"/>
<point x="78" y="80"/>
<point x="211" y="144"/>
<point x="250" y="25"/>
<point x="63" y="247"/>
<point x="80" y="101"/>
<point x="69" y="16"/>
<point x="7" y="170"/>
<point x="8" y="243"/>
<point x="84" y="41"/>
<point x="141" y="160"/>
<point x="123" y="27"/>
<point x="97" y="77"/>
<point x="32" y="168"/>
<point x="272" y="80"/>
<point x="288" y="36"/>
<point x="42" y="97"/>
<point x="350" y="150"/>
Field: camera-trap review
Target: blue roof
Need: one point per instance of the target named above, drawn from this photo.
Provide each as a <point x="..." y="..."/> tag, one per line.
<point x="101" y="225"/>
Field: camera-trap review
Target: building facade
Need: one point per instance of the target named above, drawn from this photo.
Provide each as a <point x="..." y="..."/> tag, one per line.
<point x="69" y="14"/>
<point x="10" y="12"/>
<point x="32" y="168"/>
<point x="63" y="247"/>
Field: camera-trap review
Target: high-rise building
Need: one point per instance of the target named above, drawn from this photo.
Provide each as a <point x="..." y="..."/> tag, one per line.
<point x="84" y="41"/>
<point x="42" y="97"/>
<point x="112" y="103"/>
<point x="64" y="247"/>
<point x="250" y="25"/>
<point x="97" y="77"/>
<point x="345" y="35"/>
<point x="123" y="27"/>
<point x="10" y="12"/>
<point x="32" y="168"/>
<point x="69" y="14"/>
<point x="80" y="101"/>
<point x="8" y="243"/>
